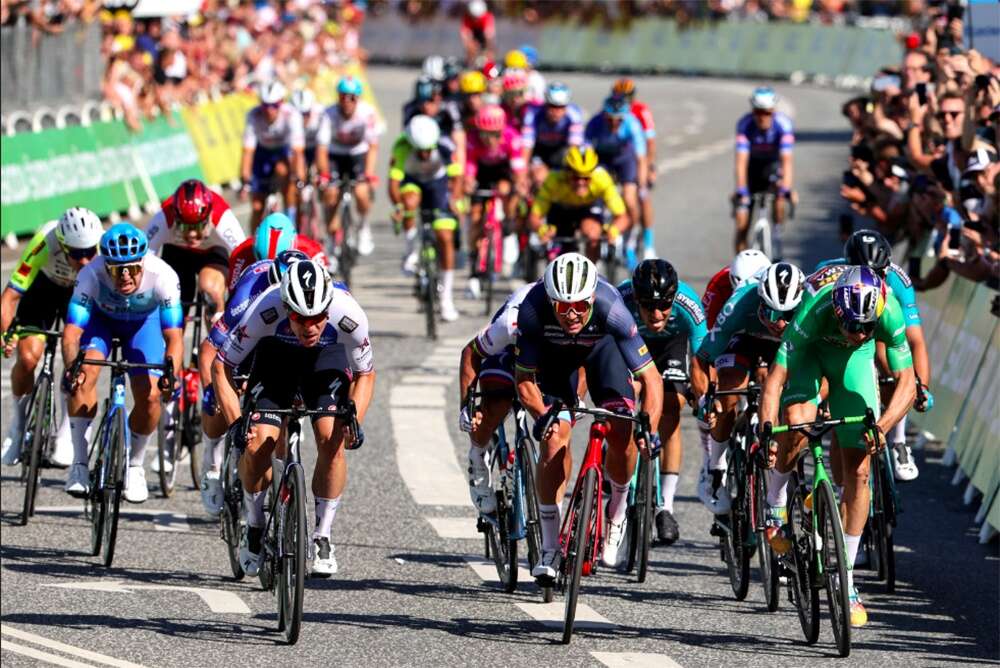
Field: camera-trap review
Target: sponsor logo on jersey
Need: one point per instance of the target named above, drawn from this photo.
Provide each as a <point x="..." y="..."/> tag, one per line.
<point x="348" y="325"/>
<point x="692" y="307"/>
<point x="240" y="333"/>
<point x="269" y="315"/>
<point x="24" y="269"/>
<point x="643" y="350"/>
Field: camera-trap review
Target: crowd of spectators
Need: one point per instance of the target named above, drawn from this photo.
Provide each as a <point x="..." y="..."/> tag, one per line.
<point x="924" y="163"/>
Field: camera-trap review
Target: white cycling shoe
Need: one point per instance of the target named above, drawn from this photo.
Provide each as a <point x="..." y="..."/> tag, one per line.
<point x="136" y="490"/>
<point x="250" y="561"/>
<point x="614" y="545"/>
<point x="366" y="245"/>
<point x="649" y="253"/>
<point x="546" y="566"/>
<point x="211" y="493"/>
<point x="448" y="312"/>
<point x="410" y="264"/>
<point x="903" y="465"/>
<point x="62" y="453"/>
<point x="712" y="491"/>
<point x="473" y="289"/>
<point x="324" y="560"/>
<point x="480" y="484"/>
<point x="78" y="481"/>
<point x="11" y="451"/>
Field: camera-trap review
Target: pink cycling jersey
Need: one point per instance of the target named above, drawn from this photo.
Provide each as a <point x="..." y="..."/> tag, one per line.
<point x="509" y="149"/>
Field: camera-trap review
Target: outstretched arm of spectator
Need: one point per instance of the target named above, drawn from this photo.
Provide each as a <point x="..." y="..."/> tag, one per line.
<point x="935" y="277"/>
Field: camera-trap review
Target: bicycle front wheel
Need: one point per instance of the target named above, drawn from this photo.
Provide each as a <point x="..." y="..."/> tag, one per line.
<point x="191" y="434"/>
<point x="292" y="555"/>
<point x="579" y="548"/>
<point x="501" y="547"/>
<point x="95" y="501"/>
<point x="533" y="527"/>
<point x="765" y="557"/>
<point x="644" y="512"/>
<point x="38" y="429"/>
<point x="881" y="523"/>
<point x="232" y="495"/>
<point x="168" y="433"/>
<point x="803" y="588"/>
<point x="737" y="551"/>
<point x="114" y="484"/>
<point x="835" y="566"/>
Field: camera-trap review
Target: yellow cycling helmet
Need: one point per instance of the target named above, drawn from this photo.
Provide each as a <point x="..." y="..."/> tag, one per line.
<point x="515" y="60"/>
<point x="472" y="82"/>
<point x="581" y="161"/>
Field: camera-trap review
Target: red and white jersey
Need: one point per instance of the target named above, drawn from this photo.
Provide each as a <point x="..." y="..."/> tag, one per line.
<point x="285" y="131"/>
<point x="243" y="256"/>
<point x="224" y="230"/>
<point x="311" y="123"/>
<point x="349" y="136"/>
<point x="645" y="116"/>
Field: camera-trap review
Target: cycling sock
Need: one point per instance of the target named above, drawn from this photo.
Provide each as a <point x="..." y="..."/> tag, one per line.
<point x="20" y="407"/>
<point x="899" y="432"/>
<point x="548" y="518"/>
<point x="63" y="434"/>
<point x="211" y="458"/>
<point x="668" y="487"/>
<point x="139" y="442"/>
<point x="79" y="428"/>
<point x="851" y="544"/>
<point x="777" y="488"/>
<point x="326" y="510"/>
<point x="716" y="454"/>
<point x="253" y="504"/>
<point x="619" y="502"/>
<point x="447" y="285"/>
<point x="704" y="435"/>
<point x="410" y="237"/>
<point x="647" y="238"/>
<point x="479" y="455"/>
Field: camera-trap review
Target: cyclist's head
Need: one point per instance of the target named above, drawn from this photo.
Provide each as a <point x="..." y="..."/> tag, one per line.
<point x="452" y="69"/>
<point x="306" y="291"/>
<point x="859" y="297"/>
<point x="570" y="283"/>
<point x="490" y="70"/>
<point x="514" y="84"/>
<point x="476" y="8"/>
<point x="472" y="82"/>
<point x="304" y="100"/>
<point x="515" y="60"/>
<point x="491" y="120"/>
<point x="531" y="53"/>
<point x="654" y="283"/>
<point x="272" y="95"/>
<point x="780" y="290"/>
<point x="275" y="234"/>
<point x="624" y="87"/>
<point x="869" y="248"/>
<point x="281" y="262"/>
<point x="425" y="89"/>
<point x="580" y="161"/>
<point x="615" y="107"/>
<point x="433" y="68"/>
<point x="763" y="99"/>
<point x="192" y="205"/>
<point x="79" y="232"/>
<point x="124" y="246"/>
<point x="746" y="266"/>
<point x="557" y="94"/>
<point x="349" y="89"/>
<point x="423" y="132"/>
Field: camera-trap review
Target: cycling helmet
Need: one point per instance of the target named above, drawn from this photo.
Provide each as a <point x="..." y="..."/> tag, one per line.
<point x="303" y="100"/>
<point x="472" y="82"/>
<point x="763" y="97"/>
<point x="655" y="281"/>
<point x="452" y="68"/>
<point x="870" y="249"/>
<point x="490" y="70"/>
<point x="422" y="132"/>
<point x="275" y="234"/>
<point x="192" y="202"/>
<point x="557" y="94"/>
<point x="747" y="264"/>
<point x="306" y="288"/>
<point x="124" y="242"/>
<point x="79" y="228"/>
<point x="581" y="160"/>
<point x="781" y="287"/>
<point x="491" y="118"/>
<point x="514" y="80"/>
<point x="349" y="86"/>
<point x="623" y="87"/>
<point x="615" y="106"/>
<point x="859" y="297"/>
<point x="433" y="68"/>
<point x="425" y="89"/>
<point x="281" y="262"/>
<point x="477" y="8"/>
<point x="515" y="60"/>
<point x="530" y="52"/>
<point x="272" y="92"/>
<point x="570" y="278"/>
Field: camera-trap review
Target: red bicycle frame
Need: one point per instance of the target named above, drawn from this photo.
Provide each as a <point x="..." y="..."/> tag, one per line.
<point x="593" y="459"/>
<point x="492" y="234"/>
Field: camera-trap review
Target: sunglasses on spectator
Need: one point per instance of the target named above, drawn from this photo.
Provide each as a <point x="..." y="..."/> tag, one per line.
<point x="116" y="271"/>
<point x="768" y="314"/>
<point x="581" y="307"/>
<point x="865" y="328"/>
<point x="952" y="114"/>
<point x="80" y="253"/>
<point x="661" y="305"/>
<point x="306" y="320"/>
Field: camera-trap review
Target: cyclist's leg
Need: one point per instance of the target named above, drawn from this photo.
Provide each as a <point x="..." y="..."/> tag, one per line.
<point x="610" y="387"/>
<point x="411" y="194"/>
<point x="363" y="203"/>
<point x="673" y="363"/>
<point x="435" y="197"/>
<point x="286" y="184"/>
<point x="212" y="282"/>
<point x="143" y="343"/>
<point x="555" y="459"/>
<point x="82" y="404"/>
<point x="592" y="230"/>
<point x="264" y="161"/>
<point x="496" y="382"/>
<point x="332" y="194"/>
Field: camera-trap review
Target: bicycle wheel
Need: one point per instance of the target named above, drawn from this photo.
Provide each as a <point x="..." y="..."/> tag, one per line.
<point x="734" y="546"/>
<point x="533" y="527"/>
<point x="169" y="431"/>
<point x="578" y="550"/>
<point x="292" y="547"/>
<point x="95" y="501"/>
<point x="232" y="525"/>
<point x="38" y="431"/>
<point x="430" y="295"/>
<point x="192" y="439"/>
<point x="346" y="249"/>
<point x="835" y="567"/>
<point x="765" y="557"/>
<point x="645" y="513"/>
<point x="880" y="526"/>
<point x="803" y="588"/>
<point x="114" y="484"/>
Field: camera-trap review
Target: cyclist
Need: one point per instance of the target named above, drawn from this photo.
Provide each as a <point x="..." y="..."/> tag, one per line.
<point x="625" y="88"/>
<point x="423" y="176"/>
<point x="832" y="336"/>
<point x="550" y="129"/>
<point x="348" y="151"/>
<point x="869" y="248"/>
<point x="304" y="101"/>
<point x="670" y="320"/>
<point x="37" y="293"/>
<point x="308" y="324"/>
<point x="427" y="101"/>
<point x="573" y="320"/>
<point x="273" y="152"/>
<point x="618" y="138"/>
<point x="275" y="234"/>
<point x="764" y="143"/>
<point x="194" y="232"/>
<point x="574" y="198"/>
<point x="514" y="99"/>
<point x="747" y="332"/>
<point x="536" y="81"/>
<point x="478" y="31"/>
<point x="494" y="161"/>
<point x="472" y="86"/>
<point x="450" y="84"/>
<point x="744" y="268"/>
<point x="250" y="284"/>
<point x="132" y="295"/>
<point x="488" y="359"/>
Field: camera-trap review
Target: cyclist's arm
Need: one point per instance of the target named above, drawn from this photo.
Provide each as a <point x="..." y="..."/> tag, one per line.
<point x="918" y="348"/>
<point x="613" y="200"/>
<point x="225" y="390"/>
<point x="742" y="162"/>
<point x="174" y="338"/>
<point x="575" y="136"/>
<point x="249" y="146"/>
<point x="324" y="135"/>
<point x="458" y="137"/>
<point x="400" y="152"/>
<point x="698" y="371"/>
<point x="468" y="370"/>
<point x="771" y="397"/>
<point x="34" y="257"/>
<point x="81" y="306"/>
<point x="787" y="170"/>
<point x="168" y="292"/>
<point x="787" y="144"/>
<point x="71" y="343"/>
<point x="371" y="158"/>
<point x="8" y="307"/>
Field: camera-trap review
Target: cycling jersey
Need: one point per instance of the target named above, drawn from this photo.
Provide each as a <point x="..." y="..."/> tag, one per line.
<point x="508" y="151"/>
<point x="248" y="285"/>
<point x="267" y="317"/>
<point x="764" y="145"/>
<point x="539" y="132"/>
<point x="717" y="292"/>
<point x="285" y="132"/>
<point x="349" y="136"/>
<point x="627" y="140"/>
<point x="644" y="115"/>
<point x="738" y="316"/>
<point x="159" y="292"/>
<point x="448" y="118"/>
<point x="557" y="190"/>
<point x="501" y="333"/>
<point x="311" y="123"/>
<point x="224" y="230"/>
<point x="896" y="278"/>
<point x="479" y="27"/>
<point x="243" y="257"/>
<point x="406" y="163"/>
<point x="43" y="254"/>
<point x="686" y="320"/>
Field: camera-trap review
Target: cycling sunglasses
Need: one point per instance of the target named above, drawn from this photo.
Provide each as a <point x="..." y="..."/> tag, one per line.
<point x="271" y="105"/>
<point x="81" y="253"/>
<point x="306" y="320"/>
<point x="580" y="178"/>
<point x="191" y="227"/>
<point x="662" y="305"/>
<point x="768" y="314"/>
<point x="489" y="135"/>
<point x="581" y="307"/>
<point x="865" y="328"/>
<point x="116" y="271"/>
<point x="347" y="97"/>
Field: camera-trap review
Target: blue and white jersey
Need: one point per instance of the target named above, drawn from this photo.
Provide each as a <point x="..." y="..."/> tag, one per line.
<point x="159" y="294"/>
<point x="629" y="139"/>
<point x="501" y="333"/>
<point x="251" y="283"/>
<point x="765" y="145"/>
<point x="538" y="130"/>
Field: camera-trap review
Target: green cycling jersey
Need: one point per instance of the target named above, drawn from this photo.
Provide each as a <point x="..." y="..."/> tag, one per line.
<point x="44" y="254"/>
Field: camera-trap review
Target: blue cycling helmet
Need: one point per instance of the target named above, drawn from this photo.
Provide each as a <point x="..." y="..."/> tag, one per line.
<point x="349" y="86"/>
<point x="531" y="53"/>
<point x="616" y="106"/>
<point x="281" y="263"/>
<point x="764" y="98"/>
<point x="275" y="234"/>
<point x="124" y="242"/>
<point x="859" y="298"/>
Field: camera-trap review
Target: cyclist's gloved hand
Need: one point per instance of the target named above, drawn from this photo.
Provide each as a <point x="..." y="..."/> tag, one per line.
<point x="208" y="400"/>
<point x="542" y="425"/>
<point x="465" y="420"/>
<point x="69" y="383"/>
<point x="654" y="444"/>
<point x="704" y="414"/>
<point x="925" y="400"/>
<point x="237" y="434"/>
<point x="359" y="438"/>
<point x="9" y="344"/>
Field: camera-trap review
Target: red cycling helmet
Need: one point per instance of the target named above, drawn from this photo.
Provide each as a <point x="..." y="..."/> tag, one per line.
<point x="514" y="80"/>
<point x="192" y="202"/>
<point x="490" y="70"/>
<point x="491" y="118"/>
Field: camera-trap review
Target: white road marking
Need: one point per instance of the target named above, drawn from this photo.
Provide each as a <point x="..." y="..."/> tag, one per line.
<point x="487" y="570"/>
<point x="168" y="521"/>
<point x="45" y="657"/>
<point x="455" y="527"/>
<point x="700" y="154"/>
<point x="553" y="614"/>
<point x="635" y="660"/>
<point x="426" y="458"/>
<point x="163" y="520"/>
<point x="218" y="601"/>
<point x="64" y="648"/>
<point x="426" y="379"/>
<point x="409" y="396"/>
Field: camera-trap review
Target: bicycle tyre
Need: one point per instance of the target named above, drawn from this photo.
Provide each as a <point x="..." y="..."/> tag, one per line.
<point x="765" y="556"/>
<point x="645" y="513"/>
<point x="37" y="421"/>
<point x="292" y="570"/>
<point x="578" y="549"/>
<point x="430" y="295"/>
<point x="881" y="527"/>
<point x="532" y="523"/>
<point x="500" y="547"/>
<point x="95" y="500"/>
<point x="167" y="459"/>
<point x="192" y="439"/>
<point x="802" y="586"/>
<point x="346" y="251"/>
<point x="734" y="548"/>
<point x="835" y="567"/>
<point x="113" y="492"/>
<point x="232" y="526"/>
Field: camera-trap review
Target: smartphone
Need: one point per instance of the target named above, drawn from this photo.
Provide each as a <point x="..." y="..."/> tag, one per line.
<point x="921" y="89"/>
<point x="850" y="180"/>
<point x="982" y="81"/>
<point x="955" y="11"/>
<point x="954" y="238"/>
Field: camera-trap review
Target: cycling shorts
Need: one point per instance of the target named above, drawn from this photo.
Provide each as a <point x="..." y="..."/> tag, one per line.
<point x="672" y="361"/>
<point x="43" y="303"/>
<point x="322" y="378"/>
<point x="496" y="375"/>
<point x="142" y="340"/>
<point x="264" y="162"/>
<point x="762" y="176"/>
<point x="567" y="219"/>
<point x="347" y="166"/>
<point x="433" y="197"/>
<point x="487" y="176"/>
<point x="551" y="156"/>
<point x="747" y="352"/>
<point x="623" y="168"/>
<point x="609" y="380"/>
<point x="309" y="152"/>
<point x="188" y="263"/>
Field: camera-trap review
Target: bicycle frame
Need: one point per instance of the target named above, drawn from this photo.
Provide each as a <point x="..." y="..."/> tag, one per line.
<point x="492" y="228"/>
<point x="593" y="459"/>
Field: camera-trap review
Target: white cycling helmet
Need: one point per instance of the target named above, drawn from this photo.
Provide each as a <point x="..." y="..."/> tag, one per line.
<point x="557" y="94"/>
<point x="303" y="100"/>
<point x="423" y="132"/>
<point x="79" y="228"/>
<point x="306" y="288"/>
<point x="781" y="286"/>
<point x="570" y="278"/>
<point x="763" y="97"/>
<point x="477" y="8"/>
<point x="434" y="68"/>
<point x="272" y="92"/>
<point x="745" y="266"/>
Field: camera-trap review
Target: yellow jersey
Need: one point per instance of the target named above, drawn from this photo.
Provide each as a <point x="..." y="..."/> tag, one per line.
<point x="557" y="189"/>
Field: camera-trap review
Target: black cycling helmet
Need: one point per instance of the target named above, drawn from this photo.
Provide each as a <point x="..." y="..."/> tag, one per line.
<point x="869" y="248"/>
<point x="655" y="281"/>
<point x="425" y="89"/>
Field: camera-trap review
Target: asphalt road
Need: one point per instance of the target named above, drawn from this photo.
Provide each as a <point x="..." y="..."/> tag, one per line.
<point x="410" y="590"/>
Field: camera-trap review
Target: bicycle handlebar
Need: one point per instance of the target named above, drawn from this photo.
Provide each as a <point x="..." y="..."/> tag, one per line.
<point x="165" y="383"/>
<point x="348" y="411"/>
<point x="640" y="420"/>
<point x="816" y="429"/>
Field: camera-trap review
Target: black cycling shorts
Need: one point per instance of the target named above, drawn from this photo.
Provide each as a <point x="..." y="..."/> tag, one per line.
<point x="487" y="176"/>
<point x="567" y="219"/>
<point x="762" y="176"/>
<point x="747" y="352"/>
<point x="551" y="156"/>
<point x="188" y="264"/>
<point x="672" y="361"/>
<point x="43" y="303"/>
<point x="344" y="166"/>
<point x="609" y="380"/>
<point x="496" y="375"/>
